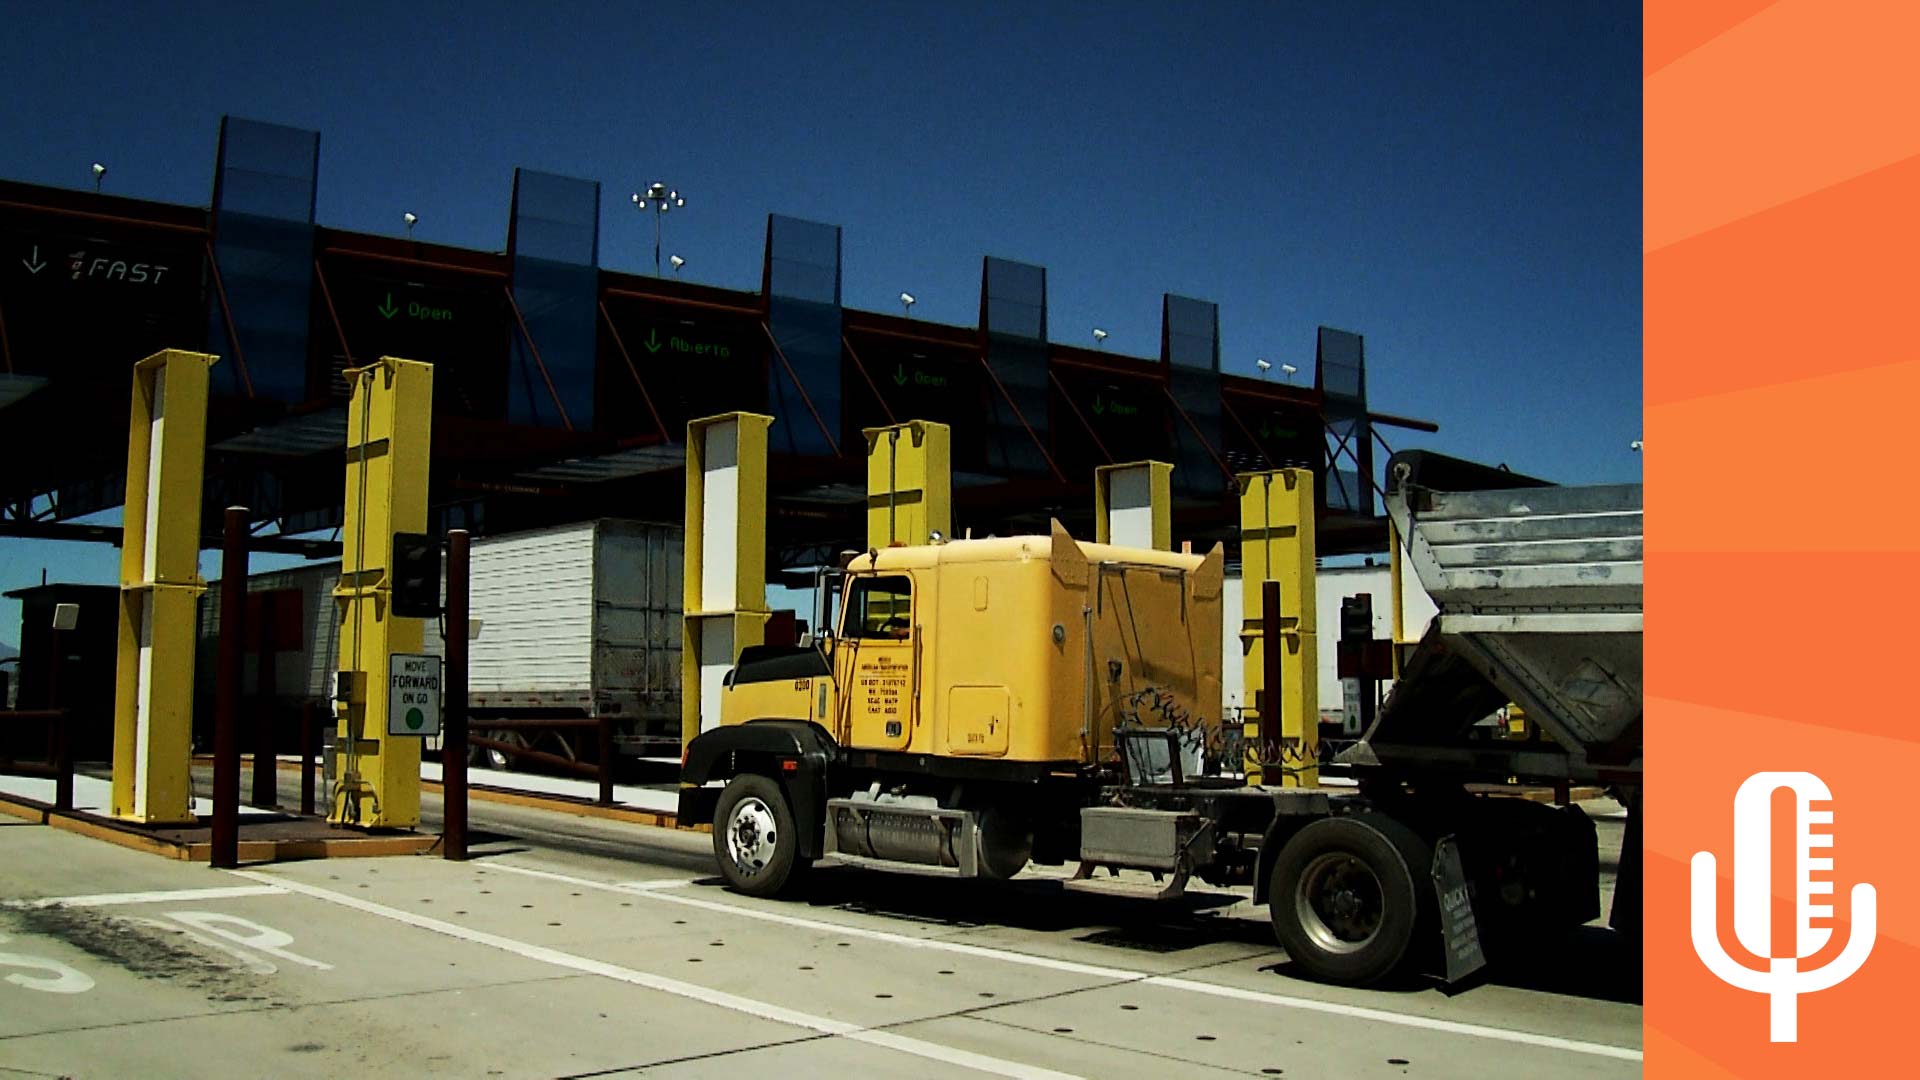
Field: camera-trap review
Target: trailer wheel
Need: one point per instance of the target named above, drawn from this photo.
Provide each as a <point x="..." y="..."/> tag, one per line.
<point x="1346" y="897"/>
<point x="754" y="837"/>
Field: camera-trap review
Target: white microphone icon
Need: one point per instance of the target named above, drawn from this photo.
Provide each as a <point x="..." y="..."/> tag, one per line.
<point x="1753" y="900"/>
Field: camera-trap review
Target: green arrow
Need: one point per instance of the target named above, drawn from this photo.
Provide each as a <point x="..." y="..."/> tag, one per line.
<point x="900" y="376"/>
<point x="415" y="719"/>
<point x="653" y="340"/>
<point x="1099" y="406"/>
<point x="387" y="308"/>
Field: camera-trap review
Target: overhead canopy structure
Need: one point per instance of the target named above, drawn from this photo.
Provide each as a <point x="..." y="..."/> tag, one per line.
<point x="563" y="389"/>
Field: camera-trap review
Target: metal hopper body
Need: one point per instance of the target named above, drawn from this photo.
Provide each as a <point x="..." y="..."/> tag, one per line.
<point x="1538" y="589"/>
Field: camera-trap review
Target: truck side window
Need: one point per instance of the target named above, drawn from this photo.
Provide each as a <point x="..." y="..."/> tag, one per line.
<point x="880" y="608"/>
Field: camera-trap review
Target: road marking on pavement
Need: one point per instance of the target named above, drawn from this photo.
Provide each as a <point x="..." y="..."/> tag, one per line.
<point x="765" y="1010"/>
<point x="1360" y="1012"/>
<point x="60" y="978"/>
<point x="111" y="899"/>
<point x="657" y="883"/>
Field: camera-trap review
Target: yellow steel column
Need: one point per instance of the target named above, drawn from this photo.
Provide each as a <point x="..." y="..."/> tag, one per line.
<point x="389" y="440"/>
<point x="1276" y="534"/>
<point x="726" y="558"/>
<point x="1133" y="505"/>
<point x="159" y="582"/>
<point x="909" y="483"/>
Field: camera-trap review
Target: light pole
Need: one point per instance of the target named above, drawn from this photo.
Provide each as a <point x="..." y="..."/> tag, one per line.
<point x="658" y="198"/>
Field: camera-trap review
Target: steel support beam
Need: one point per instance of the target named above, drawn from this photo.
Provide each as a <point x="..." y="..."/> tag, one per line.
<point x="376" y="780"/>
<point x="1277" y="543"/>
<point x="909" y="483"/>
<point x="159" y="584"/>
<point x="1133" y="505"/>
<point x="725" y="597"/>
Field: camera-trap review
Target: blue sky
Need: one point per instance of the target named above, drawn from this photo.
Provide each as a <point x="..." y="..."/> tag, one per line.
<point x="1460" y="183"/>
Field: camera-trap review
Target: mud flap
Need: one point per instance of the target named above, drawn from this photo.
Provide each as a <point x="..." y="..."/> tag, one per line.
<point x="1459" y="932"/>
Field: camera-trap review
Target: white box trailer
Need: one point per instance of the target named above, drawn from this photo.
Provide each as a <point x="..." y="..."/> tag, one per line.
<point x="579" y="620"/>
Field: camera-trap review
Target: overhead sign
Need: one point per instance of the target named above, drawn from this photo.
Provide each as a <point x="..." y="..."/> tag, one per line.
<point x="411" y="308"/>
<point x="77" y="300"/>
<point x="677" y="345"/>
<point x="413" y="694"/>
<point x="104" y="268"/>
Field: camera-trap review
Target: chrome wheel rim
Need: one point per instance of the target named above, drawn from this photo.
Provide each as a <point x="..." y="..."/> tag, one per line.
<point x="752" y="835"/>
<point x="1341" y="903"/>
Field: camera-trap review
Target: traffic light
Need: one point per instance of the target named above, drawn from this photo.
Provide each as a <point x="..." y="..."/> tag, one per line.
<point x="416" y="576"/>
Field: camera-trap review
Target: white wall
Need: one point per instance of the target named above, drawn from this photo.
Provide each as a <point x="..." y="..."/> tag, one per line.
<point x="1332" y="584"/>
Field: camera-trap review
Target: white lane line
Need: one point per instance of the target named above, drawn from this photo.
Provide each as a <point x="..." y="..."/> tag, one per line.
<point x="658" y="883"/>
<point x="112" y="899"/>
<point x="765" y="1010"/>
<point x="1286" y="1001"/>
<point x="983" y="952"/>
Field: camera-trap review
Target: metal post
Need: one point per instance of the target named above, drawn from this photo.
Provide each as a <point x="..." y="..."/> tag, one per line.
<point x="266" y="694"/>
<point x="53" y="683"/>
<point x="606" y="761"/>
<point x="306" y="758"/>
<point x="453" y="701"/>
<point x="1272" y="750"/>
<point x="226" y="706"/>
<point x="63" y="761"/>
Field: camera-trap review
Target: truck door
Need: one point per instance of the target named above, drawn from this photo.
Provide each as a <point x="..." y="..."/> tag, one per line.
<point x="879" y="652"/>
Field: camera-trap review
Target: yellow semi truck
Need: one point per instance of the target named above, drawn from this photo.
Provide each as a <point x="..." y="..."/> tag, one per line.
<point x="986" y="703"/>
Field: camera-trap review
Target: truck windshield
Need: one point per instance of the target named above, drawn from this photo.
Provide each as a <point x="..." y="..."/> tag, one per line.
<point x="880" y="608"/>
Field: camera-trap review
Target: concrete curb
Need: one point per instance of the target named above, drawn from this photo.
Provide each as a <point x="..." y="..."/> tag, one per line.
<point x="251" y="851"/>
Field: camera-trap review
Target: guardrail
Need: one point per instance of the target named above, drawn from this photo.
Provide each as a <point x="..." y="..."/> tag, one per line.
<point x="601" y="769"/>
<point x="59" y="760"/>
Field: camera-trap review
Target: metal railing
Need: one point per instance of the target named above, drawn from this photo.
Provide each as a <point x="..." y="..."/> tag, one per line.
<point x="600" y="769"/>
<point x="59" y="760"/>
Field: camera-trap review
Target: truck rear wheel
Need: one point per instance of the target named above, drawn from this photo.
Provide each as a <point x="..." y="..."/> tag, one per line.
<point x="1347" y="897"/>
<point x="754" y="837"/>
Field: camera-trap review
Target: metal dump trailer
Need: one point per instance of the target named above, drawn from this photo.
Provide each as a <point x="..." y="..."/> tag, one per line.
<point x="1539" y="595"/>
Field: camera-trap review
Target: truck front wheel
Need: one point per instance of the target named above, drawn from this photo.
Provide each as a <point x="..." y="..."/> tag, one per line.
<point x="754" y="837"/>
<point x="1346" y="897"/>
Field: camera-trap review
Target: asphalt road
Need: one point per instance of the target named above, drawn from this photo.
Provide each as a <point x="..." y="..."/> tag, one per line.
<point x="577" y="947"/>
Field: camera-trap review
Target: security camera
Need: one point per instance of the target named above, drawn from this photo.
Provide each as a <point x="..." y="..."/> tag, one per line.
<point x="1099" y="334"/>
<point x="906" y="302"/>
<point x="1263" y="365"/>
<point x="409" y="218"/>
<point x="677" y="262"/>
<point x="1289" y="371"/>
